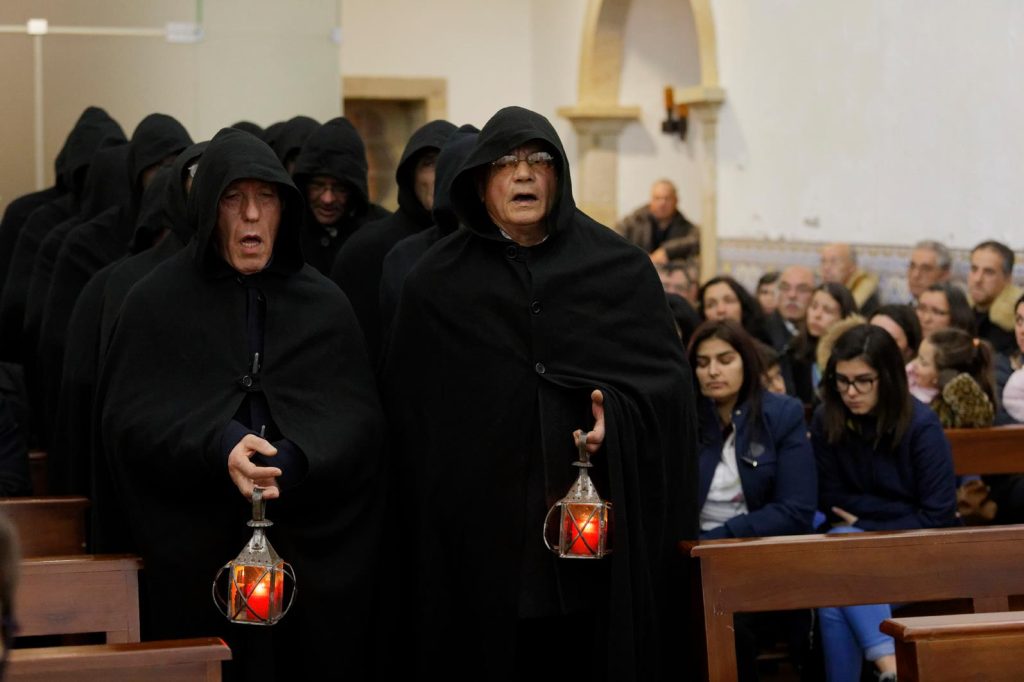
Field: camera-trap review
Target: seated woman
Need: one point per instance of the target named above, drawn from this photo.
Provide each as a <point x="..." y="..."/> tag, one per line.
<point x="901" y="322"/>
<point x="829" y="304"/>
<point x="1010" y="374"/>
<point x="945" y="305"/>
<point x="756" y="468"/>
<point x="883" y="464"/>
<point x="723" y="298"/>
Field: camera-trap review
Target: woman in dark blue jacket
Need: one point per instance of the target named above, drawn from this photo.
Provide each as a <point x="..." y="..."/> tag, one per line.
<point x="883" y="464"/>
<point x="757" y="473"/>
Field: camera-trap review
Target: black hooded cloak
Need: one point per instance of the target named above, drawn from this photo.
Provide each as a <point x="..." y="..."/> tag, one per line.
<point x="287" y="137"/>
<point x="495" y="350"/>
<point x="403" y="256"/>
<point x="357" y="269"/>
<point x="337" y="150"/>
<point x="93" y="131"/>
<point x="179" y="366"/>
<point x="98" y="243"/>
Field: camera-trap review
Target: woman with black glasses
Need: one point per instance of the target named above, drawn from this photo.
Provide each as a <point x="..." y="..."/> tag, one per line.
<point x="883" y="464"/>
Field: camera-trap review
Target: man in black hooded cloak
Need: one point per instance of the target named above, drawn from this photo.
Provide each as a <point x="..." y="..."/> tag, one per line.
<point x="358" y="265"/>
<point x="331" y="172"/>
<point x="503" y="332"/>
<point x="231" y="337"/>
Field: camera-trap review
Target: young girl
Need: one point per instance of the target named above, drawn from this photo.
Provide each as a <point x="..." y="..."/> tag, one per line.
<point x="958" y="369"/>
<point x="883" y="464"/>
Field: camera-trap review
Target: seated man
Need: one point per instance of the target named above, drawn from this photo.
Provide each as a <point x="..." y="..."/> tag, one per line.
<point x="796" y="284"/>
<point x="660" y="229"/>
<point x="676" y="280"/>
<point x="839" y="266"/>
<point x="992" y="293"/>
<point x="930" y="263"/>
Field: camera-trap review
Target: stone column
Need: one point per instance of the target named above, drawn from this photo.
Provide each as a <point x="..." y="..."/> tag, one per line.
<point x="596" y="173"/>
<point x="704" y="103"/>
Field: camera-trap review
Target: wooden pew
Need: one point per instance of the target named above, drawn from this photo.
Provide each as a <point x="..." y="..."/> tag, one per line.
<point x="982" y="646"/>
<point x="78" y="594"/>
<point x="798" y="572"/>
<point x="48" y="526"/>
<point x="168" y="661"/>
<point x="998" y="450"/>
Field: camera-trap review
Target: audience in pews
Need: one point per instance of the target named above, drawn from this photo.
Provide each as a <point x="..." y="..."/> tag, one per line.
<point x="945" y="305"/>
<point x="1009" y="377"/>
<point x="796" y="284"/>
<point x="883" y="464"/>
<point x="660" y="229"/>
<point x="723" y="298"/>
<point x="903" y="325"/>
<point x="768" y="291"/>
<point x="829" y="304"/>
<point x="957" y="370"/>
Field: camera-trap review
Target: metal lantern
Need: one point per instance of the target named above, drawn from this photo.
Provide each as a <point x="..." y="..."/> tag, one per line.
<point x="256" y="579"/>
<point x="584" y="518"/>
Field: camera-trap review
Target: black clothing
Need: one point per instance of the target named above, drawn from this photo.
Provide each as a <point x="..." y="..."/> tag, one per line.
<point x="495" y="350"/>
<point x="403" y="256"/>
<point x="15" y="215"/>
<point x="14" y="471"/>
<point x="357" y="268"/>
<point x="249" y="127"/>
<point x="93" y="131"/>
<point x="778" y="332"/>
<point x="176" y="372"/>
<point x="336" y="150"/>
<point x="287" y="138"/>
<point x="1002" y="340"/>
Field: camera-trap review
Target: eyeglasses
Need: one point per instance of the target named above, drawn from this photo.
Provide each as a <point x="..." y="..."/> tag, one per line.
<point x="534" y="159"/>
<point x="317" y="188"/>
<point x="930" y="310"/>
<point x="803" y="289"/>
<point x="861" y="384"/>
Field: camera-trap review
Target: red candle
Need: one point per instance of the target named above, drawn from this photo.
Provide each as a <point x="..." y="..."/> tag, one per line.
<point x="258" y="596"/>
<point x="584" y="532"/>
<point x="258" y="600"/>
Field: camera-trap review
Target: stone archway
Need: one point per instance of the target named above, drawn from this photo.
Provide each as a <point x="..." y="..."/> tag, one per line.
<point x="599" y="118"/>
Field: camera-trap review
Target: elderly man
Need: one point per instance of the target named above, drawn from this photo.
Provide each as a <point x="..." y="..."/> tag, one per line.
<point x="331" y="170"/>
<point x="235" y="364"/>
<point x="929" y="264"/>
<point x="510" y="334"/>
<point x="796" y="285"/>
<point x="993" y="295"/>
<point x="839" y="266"/>
<point x="660" y="229"/>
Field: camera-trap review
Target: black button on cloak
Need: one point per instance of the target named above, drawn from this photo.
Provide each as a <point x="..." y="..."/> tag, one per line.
<point x="170" y="384"/>
<point x="337" y="150"/>
<point x="490" y="438"/>
<point x="357" y="268"/>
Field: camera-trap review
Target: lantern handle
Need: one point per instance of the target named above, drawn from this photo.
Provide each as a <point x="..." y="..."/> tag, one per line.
<point x="259" y="505"/>
<point x="547" y="517"/>
<point x="584" y="460"/>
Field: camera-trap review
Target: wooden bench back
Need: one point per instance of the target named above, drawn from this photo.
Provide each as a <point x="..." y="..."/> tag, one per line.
<point x="773" y="574"/>
<point x="999" y="450"/>
<point x="183" y="660"/>
<point x="79" y="594"/>
<point x="48" y="526"/>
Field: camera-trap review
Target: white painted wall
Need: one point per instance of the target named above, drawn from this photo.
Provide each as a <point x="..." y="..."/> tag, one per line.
<point x="660" y="51"/>
<point x="875" y="121"/>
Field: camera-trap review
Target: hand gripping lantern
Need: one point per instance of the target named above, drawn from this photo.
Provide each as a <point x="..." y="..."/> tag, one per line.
<point x="256" y="577"/>
<point x="584" y="518"/>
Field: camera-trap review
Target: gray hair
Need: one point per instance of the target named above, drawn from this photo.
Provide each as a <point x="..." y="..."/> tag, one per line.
<point x="940" y="249"/>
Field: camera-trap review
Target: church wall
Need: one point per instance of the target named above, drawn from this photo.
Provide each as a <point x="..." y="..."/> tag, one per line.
<point x="871" y="121"/>
<point x="260" y="60"/>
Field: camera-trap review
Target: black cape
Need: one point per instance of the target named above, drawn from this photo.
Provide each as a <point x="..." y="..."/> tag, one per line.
<point x="357" y="269"/>
<point x="98" y="243"/>
<point x="337" y="150"/>
<point x="403" y="256"/>
<point x="171" y="381"/>
<point x="93" y="131"/>
<point x="286" y="138"/>
<point x="495" y="350"/>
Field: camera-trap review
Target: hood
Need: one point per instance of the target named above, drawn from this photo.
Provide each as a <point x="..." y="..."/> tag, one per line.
<point x="93" y="131"/>
<point x="157" y="137"/>
<point x="234" y="155"/>
<point x="828" y="340"/>
<point x="287" y="138"/>
<point x="337" y="150"/>
<point x="508" y="129"/>
<point x="106" y="183"/>
<point x="176" y="199"/>
<point x="449" y="162"/>
<point x="429" y="137"/>
<point x="153" y="217"/>
<point x="249" y="127"/>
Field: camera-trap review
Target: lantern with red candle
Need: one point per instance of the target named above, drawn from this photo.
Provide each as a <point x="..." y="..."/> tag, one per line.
<point x="585" y="519"/>
<point x="257" y="577"/>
